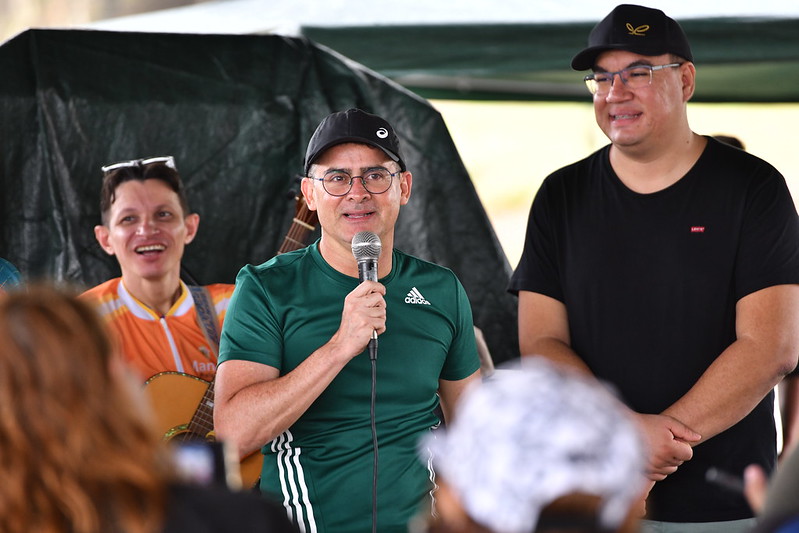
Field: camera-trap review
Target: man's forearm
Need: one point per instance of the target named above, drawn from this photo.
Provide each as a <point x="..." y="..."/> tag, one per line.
<point x="729" y="389"/>
<point x="253" y="412"/>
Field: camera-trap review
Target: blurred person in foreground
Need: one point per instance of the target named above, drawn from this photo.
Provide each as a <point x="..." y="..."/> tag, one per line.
<point x="775" y="500"/>
<point x="667" y="264"/>
<point x="537" y="448"/>
<point x="78" y="453"/>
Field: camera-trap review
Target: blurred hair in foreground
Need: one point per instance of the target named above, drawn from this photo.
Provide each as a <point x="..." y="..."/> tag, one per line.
<point x="71" y="434"/>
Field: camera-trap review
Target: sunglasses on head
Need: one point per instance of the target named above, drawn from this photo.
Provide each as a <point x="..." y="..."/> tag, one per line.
<point x="167" y="160"/>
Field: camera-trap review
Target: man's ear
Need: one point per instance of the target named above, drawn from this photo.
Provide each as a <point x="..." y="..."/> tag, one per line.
<point x="101" y="234"/>
<point x="192" y="222"/>
<point x="406" y="183"/>
<point x="308" y="191"/>
<point x="688" y="72"/>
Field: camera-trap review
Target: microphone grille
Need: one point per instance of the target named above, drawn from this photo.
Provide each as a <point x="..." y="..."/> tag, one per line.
<point x="366" y="246"/>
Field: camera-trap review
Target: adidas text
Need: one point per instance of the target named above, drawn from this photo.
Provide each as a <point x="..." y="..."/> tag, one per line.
<point x="415" y="297"/>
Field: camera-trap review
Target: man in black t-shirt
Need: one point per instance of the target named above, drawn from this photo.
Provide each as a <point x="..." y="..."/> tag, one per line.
<point x="667" y="264"/>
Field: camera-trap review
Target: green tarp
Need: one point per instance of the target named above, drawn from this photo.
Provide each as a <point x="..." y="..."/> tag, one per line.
<point x="739" y="59"/>
<point x="236" y="111"/>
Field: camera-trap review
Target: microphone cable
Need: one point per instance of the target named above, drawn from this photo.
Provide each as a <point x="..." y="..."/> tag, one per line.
<point x="366" y="247"/>
<point x="373" y="359"/>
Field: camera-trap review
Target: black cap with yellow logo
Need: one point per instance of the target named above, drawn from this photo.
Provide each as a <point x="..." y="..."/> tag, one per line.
<point x="637" y="29"/>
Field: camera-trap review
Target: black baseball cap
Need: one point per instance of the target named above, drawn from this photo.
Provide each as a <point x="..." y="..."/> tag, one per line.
<point x="637" y="29"/>
<point x="353" y="126"/>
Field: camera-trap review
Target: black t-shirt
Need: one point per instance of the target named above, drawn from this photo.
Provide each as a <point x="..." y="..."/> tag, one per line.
<point x="651" y="281"/>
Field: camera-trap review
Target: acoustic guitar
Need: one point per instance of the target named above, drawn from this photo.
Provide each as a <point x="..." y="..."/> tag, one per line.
<point x="303" y="223"/>
<point x="184" y="404"/>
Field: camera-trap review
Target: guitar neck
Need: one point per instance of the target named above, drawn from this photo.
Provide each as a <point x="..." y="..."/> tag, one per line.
<point x="302" y="225"/>
<point x="202" y="422"/>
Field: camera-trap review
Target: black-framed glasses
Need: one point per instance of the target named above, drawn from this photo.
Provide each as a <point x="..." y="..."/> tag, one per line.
<point x="167" y="160"/>
<point x="339" y="182"/>
<point x="636" y="77"/>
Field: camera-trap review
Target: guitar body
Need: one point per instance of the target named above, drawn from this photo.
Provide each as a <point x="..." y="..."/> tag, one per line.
<point x="175" y="398"/>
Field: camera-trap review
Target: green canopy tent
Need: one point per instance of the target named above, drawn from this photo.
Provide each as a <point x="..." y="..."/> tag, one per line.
<point x="741" y="60"/>
<point x="236" y="111"/>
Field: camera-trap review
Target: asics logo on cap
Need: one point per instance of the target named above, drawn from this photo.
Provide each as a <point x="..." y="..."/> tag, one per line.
<point x="382" y="133"/>
<point x="640" y="30"/>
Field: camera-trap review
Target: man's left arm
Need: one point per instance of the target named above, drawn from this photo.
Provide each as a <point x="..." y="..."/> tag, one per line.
<point x="451" y="391"/>
<point x="765" y="350"/>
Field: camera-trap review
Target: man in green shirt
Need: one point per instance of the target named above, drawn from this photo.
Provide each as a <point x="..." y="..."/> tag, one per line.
<point x="295" y="378"/>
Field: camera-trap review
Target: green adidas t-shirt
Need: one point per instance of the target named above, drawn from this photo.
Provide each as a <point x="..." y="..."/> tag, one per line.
<point x="321" y="468"/>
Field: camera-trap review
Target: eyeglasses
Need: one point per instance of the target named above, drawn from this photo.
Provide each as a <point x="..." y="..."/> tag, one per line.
<point x="339" y="182"/>
<point x="636" y="77"/>
<point x="167" y="160"/>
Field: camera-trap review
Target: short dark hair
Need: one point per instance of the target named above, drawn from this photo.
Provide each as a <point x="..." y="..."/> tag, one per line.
<point x="153" y="171"/>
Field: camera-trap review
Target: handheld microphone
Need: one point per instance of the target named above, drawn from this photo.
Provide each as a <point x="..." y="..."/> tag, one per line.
<point x="366" y="248"/>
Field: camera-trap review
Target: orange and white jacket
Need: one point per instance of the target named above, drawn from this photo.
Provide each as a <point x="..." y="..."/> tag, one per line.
<point x="152" y="343"/>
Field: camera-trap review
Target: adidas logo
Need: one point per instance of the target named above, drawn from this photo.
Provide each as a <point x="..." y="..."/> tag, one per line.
<point x="415" y="297"/>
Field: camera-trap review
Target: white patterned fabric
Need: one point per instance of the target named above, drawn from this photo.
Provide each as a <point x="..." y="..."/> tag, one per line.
<point x="533" y="433"/>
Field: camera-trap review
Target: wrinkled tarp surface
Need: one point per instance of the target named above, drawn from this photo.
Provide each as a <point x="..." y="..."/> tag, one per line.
<point x="236" y="112"/>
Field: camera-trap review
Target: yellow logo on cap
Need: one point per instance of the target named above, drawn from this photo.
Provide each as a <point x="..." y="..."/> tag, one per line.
<point x="640" y="30"/>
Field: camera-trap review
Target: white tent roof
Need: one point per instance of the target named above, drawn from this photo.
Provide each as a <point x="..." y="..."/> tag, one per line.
<point x="288" y="16"/>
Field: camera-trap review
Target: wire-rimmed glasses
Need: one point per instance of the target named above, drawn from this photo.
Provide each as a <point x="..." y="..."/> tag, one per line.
<point x="635" y="77"/>
<point x="339" y="182"/>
